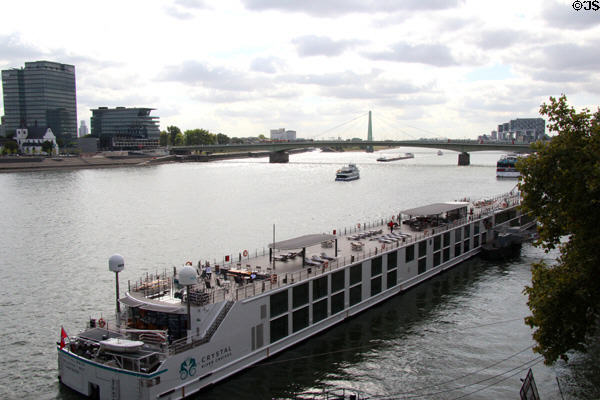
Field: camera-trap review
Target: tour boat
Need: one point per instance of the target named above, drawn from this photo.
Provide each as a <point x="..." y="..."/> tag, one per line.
<point x="404" y="157"/>
<point x="175" y="333"/>
<point x="347" y="173"/>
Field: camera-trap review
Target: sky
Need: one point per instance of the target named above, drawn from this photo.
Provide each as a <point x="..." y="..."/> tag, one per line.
<point x="425" y="68"/>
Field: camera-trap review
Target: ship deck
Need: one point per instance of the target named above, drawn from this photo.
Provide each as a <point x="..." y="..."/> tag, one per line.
<point x="257" y="273"/>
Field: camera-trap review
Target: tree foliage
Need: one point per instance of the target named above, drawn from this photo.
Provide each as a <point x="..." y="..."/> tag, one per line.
<point x="199" y="136"/>
<point x="173" y="133"/>
<point x="561" y="188"/>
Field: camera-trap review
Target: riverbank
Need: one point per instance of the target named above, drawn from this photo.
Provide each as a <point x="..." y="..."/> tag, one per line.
<point x="26" y="163"/>
<point x="17" y="164"/>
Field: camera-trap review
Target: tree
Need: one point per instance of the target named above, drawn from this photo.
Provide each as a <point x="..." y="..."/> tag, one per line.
<point x="222" y="138"/>
<point x="199" y="136"/>
<point x="561" y="189"/>
<point x="10" y="147"/>
<point x="47" y="147"/>
<point x="164" y="138"/>
<point x="173" y="131"/>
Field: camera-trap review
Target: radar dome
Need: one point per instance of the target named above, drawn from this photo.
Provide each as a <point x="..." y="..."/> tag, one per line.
<point x="187" y="276"/>
<point x="116" y="263"/>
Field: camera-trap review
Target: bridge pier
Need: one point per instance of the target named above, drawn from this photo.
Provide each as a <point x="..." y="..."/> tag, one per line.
<point x="464" y="158"/>
<point x="280" y="157"/>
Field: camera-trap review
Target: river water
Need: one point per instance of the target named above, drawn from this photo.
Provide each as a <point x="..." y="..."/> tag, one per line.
<point x="460" y="335"/>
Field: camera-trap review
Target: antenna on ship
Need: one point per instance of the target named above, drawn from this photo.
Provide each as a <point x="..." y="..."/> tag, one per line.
<point x="187" y="278"/>
<point x="116" y="264"/>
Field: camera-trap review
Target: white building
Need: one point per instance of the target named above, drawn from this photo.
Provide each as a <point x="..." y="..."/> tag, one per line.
<point x="83" y="129"/>
<point x="30" y="140"/>
<point x="282" y="134"/>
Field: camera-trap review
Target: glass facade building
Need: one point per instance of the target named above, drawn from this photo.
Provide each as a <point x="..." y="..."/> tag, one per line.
<point x="125" y="128"/>
<point x="41" y="95"/>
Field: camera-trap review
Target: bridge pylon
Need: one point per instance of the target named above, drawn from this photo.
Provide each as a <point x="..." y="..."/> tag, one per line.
<point x="370" y="134"/>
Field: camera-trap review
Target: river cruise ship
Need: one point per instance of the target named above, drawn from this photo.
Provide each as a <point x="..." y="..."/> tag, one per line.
<point x="506" y="166"/>
<point x="180" y="331"/>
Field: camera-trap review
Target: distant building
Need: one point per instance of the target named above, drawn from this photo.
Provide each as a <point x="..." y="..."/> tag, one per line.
<point x="525" y="130"/>
<point x="125" y="128"/>
<point x="41" y="95"/>
<point x="30" y="140"/>
<point x="282" y="134"/>
<point x="83" y="129"/>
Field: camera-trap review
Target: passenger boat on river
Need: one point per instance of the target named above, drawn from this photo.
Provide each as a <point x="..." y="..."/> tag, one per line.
<point x="180" y="332"/>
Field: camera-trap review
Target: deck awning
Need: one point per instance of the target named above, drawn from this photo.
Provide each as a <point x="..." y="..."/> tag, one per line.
<point x="434" y="209"/>
<point x="302" y="241"/>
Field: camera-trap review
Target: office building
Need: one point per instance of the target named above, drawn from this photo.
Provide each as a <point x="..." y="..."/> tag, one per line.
<point x="525" y="130"/>
<point x="282" y="134"/>
<point x="41" y="95"/>
<point x="124" y="128"/>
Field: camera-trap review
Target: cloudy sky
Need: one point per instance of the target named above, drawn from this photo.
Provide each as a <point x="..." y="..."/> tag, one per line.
<point x="444" y="68"/>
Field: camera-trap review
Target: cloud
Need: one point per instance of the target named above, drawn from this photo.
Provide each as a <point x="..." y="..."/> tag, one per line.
<point x="571" y="56"/>
<point x="12" y="48"/>
<point x="312" y="45"/>
<point x="193" y="72"/>
<point x="499" y="39"/>
<point x="431" y="54"/>
<point x="268" y="65"/>
<point x="331" y="8"/>
<point x="562" y="15"/>
<point x="331" y="79"/>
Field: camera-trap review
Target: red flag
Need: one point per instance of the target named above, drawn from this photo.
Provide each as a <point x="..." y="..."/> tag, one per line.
<point x="63" y="336"/>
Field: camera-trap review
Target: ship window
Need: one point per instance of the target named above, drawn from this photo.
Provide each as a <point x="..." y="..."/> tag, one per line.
<point x="483" y="237"/>
<point x="300" y="319"/>
<point x="279" y="328"/>
<point x="437" y="242"/>
<point x="355" y="294"/>
<point x="466" y="245"/>
<point x="376" y="266"/>
<point x="476" y="241"/>
<point x="279" y="303"/>
<point x="337" y="303"/>
<point x="446" y="254"/>
<point x="410" y="253"/>
<point x="319" y="288"/>
<point x="467" y="231"/>
<point x="457" y="235"/>
<point x="320" y="310"/>
<point x="457" y="250"/>
<point x="375" y="285"/>
<point x="422" y="248"/>
<point x="355" y="274"/>
<point x="437" y="258"/>
<point x="422" y="265"/>
<point x="300" y="295"/>
<point x="392" y="260"/>
<point x="337" y="281"/>
<point x="476" y="228"/>
<point x="259" y="336"/>
<point x="392" y="278"/>
<point x="446" y="239"/>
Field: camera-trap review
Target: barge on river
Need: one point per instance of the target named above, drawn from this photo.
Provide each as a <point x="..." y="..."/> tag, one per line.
<point x="180" y="332"/>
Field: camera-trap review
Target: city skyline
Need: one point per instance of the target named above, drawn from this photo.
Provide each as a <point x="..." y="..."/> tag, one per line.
<point x="430" y="68"/>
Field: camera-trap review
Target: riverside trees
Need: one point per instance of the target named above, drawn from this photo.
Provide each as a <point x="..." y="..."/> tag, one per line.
<point x="561" y="188"/>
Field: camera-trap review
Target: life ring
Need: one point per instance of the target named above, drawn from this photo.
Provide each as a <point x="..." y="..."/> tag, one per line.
<point x="101" y="323"/>
<point x="245" y="253"/>
<point x="383" y="246"/>
<point x="273" y="278"/>
<point x="504" y="205"/>
<point x="325" y="264"/>
<point x="188" y="263"/>
<point x="358" y="225"/>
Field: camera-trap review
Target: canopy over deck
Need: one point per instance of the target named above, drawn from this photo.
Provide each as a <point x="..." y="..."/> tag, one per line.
<point x="434" y="209"/>
<point x="302" y="241"/>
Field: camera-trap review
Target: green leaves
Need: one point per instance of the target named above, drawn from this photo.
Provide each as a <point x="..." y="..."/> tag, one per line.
<point x="561" y="188"/>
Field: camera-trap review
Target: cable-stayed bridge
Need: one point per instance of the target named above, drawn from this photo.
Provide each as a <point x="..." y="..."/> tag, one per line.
<point x="278" y="149"/>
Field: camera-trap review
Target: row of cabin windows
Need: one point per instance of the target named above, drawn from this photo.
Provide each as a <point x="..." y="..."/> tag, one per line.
<point x="300" y="316"/>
